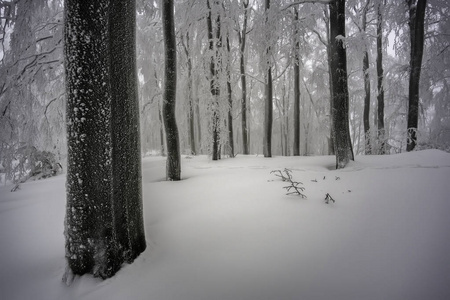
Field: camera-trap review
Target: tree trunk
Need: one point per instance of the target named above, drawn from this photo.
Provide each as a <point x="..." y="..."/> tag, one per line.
<point x="268" y="102"/>
<point x="230" y="102"/>
<point x="214" y="84"/>
<point x="126" y="155"/>
<point x="416" y="27"/>
<point x="330" y="84"/>
<point x="380" y="88"/>
<point x="161" y="130"/>
<point x="342" y="142"/>
<point x="191" y="131"/>
<point x="173" y="166"/>
<point x="296" y="148"/>
<point x="242" y="42"/>
<point x="103" y="224"/>
<point x="366" y="116"/>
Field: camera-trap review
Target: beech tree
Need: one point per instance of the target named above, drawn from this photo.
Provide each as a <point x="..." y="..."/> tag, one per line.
<point x="368" y="147"/>
<point x="416" y="31"/>
<point x="296" y="148"/>
<point x="242" y="43"/>
<point x="268" y="94"/>
<point x="104" y="218"/>
<point x="380" y="82"/>
<point x="173" y="165"/>
<point x="342" y="142"/>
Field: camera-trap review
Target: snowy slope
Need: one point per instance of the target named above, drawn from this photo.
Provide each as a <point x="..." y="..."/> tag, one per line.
<point x="228" y="231"/>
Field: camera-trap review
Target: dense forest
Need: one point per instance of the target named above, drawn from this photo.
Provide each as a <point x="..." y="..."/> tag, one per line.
<point x="91" y="87"/>
<point x="253" y="77"/>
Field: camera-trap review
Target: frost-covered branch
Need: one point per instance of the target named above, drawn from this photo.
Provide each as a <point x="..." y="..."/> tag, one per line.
<point x="294" y="188"/>
<point x="305" y="1"/>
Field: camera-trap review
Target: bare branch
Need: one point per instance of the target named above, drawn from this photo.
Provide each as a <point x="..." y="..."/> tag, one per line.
<point x="305" y="1"/>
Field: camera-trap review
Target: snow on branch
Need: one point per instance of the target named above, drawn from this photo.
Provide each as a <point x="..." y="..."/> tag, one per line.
<point x="294" y="188"/>
<point x="305" y="1"/>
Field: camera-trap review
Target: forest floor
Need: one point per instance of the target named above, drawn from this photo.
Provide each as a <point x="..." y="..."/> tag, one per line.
<point x="229" y="231"/>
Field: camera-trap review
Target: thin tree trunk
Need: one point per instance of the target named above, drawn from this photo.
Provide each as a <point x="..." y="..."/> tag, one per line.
<point x="380" y="79"/>
<point x="416" y="27"/>
<point x="191" y="131"/>
<point x="242" y="42"/>
<point x="161" y="130"/>
<point x="366" y="115"/>
<point x="230" y="102"/>
<point x="342" y="142"/>
<point x="268" y="102"/>
<point x="296" y="148"/>
<point x="173" y="165"/>
<point x="214" y="85"/>
<point x="199" y="127"/>
<point x="330" y="83"/>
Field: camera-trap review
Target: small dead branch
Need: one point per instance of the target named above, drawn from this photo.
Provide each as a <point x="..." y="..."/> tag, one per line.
<point x="294" y="188"/>
<point x="286" y="176"/>
<point x="328" y="198"/>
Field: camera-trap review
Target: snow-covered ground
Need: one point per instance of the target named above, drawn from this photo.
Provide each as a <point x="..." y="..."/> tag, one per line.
<point x="229" y="231"/>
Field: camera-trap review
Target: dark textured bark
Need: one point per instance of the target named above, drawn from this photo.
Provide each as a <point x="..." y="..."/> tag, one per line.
<point x="380" y="89"/>
<point x="214" y="85"/>
<point x="126" y="156"/>
<point x="230" y="103"/>
<point x="342" y="142"/>
<point x="173" y="166"/>
<point x="416" y="27"/>
<point x="103" y="225"/>
<point x="90" y="238"/>
<point x="242" y="43"/>
<point x="366" y="115"/>
<point x="296" y="148"/>
<point x="161" y="130"/>
<point x="268" y="101"/>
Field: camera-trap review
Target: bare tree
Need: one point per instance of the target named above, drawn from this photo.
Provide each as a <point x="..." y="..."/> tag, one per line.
<point x="173" y="165"/>
<point x="296" y="148"/>
<point x="416" y="31"/>
<point x="342" y="142"/>
<point x="242" y="43"/>
<point x="268" y="101"/>
<point x="380" y="88"/>
<point x="104" y="219"/>
<point x="366" y="116"/>
<point x="214" y="80"/>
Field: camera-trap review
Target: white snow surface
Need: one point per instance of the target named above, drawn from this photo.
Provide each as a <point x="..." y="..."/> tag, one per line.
<point x="229" y="231"/>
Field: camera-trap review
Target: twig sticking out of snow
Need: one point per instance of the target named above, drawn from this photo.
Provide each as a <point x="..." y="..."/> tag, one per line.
<point x="286" y="175"/>
<point x="328" y="198"/>
<point x="278" y="173"/>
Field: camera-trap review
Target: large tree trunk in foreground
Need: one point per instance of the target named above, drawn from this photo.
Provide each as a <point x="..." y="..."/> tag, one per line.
<point x="173" y="165"/>
<point x="127" y="190"/>
<point x="103" y="224"/>
<point x="416" y="27"/>
<point x="342" y="142"/>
